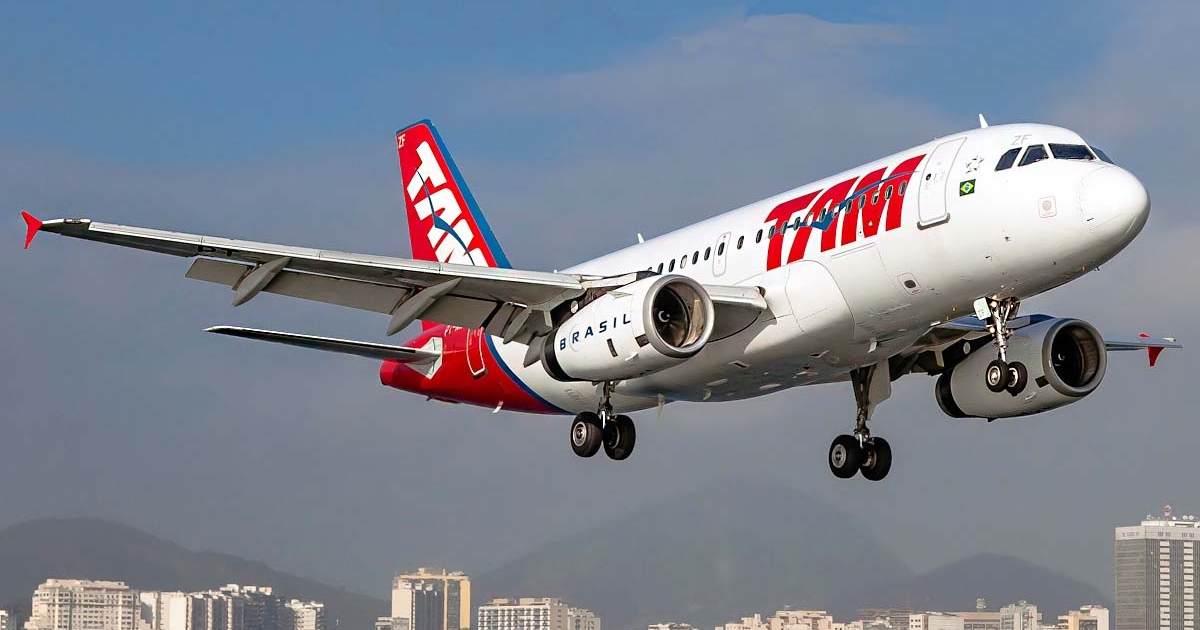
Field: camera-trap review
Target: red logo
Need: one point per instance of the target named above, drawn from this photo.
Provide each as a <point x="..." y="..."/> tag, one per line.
<point x="857" y="205"/>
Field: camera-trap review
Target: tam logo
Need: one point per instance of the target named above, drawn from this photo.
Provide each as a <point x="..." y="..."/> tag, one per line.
<point x="436" y="201"/>
<point x="858" y="206"/>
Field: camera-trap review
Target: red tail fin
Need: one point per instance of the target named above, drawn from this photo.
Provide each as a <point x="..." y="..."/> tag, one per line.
<point x="444" y="222"/>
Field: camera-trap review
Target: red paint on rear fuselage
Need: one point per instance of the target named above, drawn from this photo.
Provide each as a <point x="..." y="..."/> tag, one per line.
<point x="454" y="380"/>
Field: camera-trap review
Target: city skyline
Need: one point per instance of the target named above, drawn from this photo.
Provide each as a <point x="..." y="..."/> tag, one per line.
<point x="1153" y="574"/>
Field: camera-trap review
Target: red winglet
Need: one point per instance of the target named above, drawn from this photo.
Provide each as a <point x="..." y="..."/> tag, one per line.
<point x="33" y="224"/>
<point x="1152" y="351"/>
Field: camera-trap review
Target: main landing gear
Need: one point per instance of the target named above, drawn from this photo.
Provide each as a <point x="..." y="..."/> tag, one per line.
<point x="862" y="452"/>
<point x="1001" y="375"/>
<point x="615" y="433"/>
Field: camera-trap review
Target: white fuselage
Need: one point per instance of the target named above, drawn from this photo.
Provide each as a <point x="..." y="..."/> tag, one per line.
<point x="858" y="293"/>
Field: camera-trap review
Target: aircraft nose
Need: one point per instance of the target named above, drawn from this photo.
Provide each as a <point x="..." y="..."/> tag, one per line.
<point x="1113" y="195"/>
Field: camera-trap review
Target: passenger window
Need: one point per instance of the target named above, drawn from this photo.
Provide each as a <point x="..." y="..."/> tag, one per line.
<point x="799" y="222"/>
<point x="1008" y="159"/>
<point x="707" y="251"/>
<point x="887" y="194"/>
<point x="875" y="197"/>
<point x="1071" y="152"/>
<point x="741" y="239"/>
<point x="683" y="261"/>
<point x="1102" y="155"/>
<point x="1035" y="153"/>
<point x="758" y="237"/>
<point x="721" y="249"/>
<point x="903" y="185"/>
<point x="771" y="232"/>
<point x="659" y="267"/>
<point x="672" y="267"/>
<point x="695" y="256"/>
<point x="862" y="201"/>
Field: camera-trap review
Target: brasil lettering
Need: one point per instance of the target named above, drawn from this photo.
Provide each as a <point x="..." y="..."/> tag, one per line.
<point x="436" y="199"/>
<point x="590" y="331"/>
<point x="866" y="202"/>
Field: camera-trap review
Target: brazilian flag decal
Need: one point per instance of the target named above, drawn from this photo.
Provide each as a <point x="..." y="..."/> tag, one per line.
<point x="966" y="188"/>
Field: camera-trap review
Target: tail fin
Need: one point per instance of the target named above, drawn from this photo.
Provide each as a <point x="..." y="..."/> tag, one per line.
<point x="444" y="222"/>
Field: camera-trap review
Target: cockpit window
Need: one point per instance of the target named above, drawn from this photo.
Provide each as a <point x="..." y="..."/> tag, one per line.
<point x="1071" y="152"/>
<point x="1035" y="153"/>
<point x="1102" y="155"/>
<point x="1008" y="159"/>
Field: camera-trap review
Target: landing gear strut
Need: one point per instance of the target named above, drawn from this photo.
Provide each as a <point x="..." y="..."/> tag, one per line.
<point x="1001" y="375"/>
<point x="616" y="433"/>
<point x="850" y="454"/>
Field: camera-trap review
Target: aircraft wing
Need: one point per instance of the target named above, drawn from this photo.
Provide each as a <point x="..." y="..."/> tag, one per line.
<point x="973" y="327"/>
<point x="513" y="304"/>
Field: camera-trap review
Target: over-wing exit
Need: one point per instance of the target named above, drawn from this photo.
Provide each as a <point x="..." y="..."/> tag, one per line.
<point x="915" y="263"/>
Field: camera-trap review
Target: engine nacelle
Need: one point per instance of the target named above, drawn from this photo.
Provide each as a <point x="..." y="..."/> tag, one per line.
<point x="638" y="329"/>
<point x="1065" y="360"/>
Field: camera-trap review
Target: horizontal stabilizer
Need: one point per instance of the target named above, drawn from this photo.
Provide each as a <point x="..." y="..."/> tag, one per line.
<point x="328" y="344"/>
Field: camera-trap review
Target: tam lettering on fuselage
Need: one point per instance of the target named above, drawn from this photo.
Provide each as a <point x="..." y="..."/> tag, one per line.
<point x="856" y="205"/>
<point x="591" y="331"/>
<point x="450" y="232"/>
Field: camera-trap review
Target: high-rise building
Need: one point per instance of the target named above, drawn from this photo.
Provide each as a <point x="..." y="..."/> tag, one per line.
<point x="413" y="593"/>
<point x="582" y="619"/>
<point x="1155" y="570"/>
<point x="979" y="619"/>
<point x="1086" y="618"/>
<point x="260" y="606"/>
<point x="6" y="622"/>
<point x="298" y="615"/>
<point x="527" y="613"/>
<point x="418" y="604"/>
<point x="935" y="621"/>
<point x="83" y="605"/>
<point x="801" y="620"/>
<point x="671" y="626"/>
<point x="1020" y="616"/>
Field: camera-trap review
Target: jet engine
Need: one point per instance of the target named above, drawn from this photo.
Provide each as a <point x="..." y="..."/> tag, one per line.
<point x="1060" y="361"/>
<point x="640" y="328"/>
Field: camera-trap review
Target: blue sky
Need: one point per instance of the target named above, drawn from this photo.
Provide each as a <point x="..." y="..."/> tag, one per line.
<point x="169" y="83"/>
<point x="579" y="125"/>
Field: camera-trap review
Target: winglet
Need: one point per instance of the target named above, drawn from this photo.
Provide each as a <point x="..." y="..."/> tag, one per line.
<point x="32" y="224"/>
<point x="1152" y="352"/>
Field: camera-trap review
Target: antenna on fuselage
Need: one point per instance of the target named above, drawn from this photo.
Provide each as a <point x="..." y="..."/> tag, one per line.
<point x="982" y="122"/>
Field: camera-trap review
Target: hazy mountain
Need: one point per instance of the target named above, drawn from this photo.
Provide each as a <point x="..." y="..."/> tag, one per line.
<point x="706" y="558"/>
<point x="33" y="551"/>
<point x="1001" y="579"/>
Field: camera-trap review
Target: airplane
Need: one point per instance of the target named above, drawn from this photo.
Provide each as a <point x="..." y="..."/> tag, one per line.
<point x="915" y="263"/>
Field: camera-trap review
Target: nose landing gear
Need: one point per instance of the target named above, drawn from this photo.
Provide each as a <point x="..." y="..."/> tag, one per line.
<point x="1001" y="375"/>
<point x="862" y="452"/>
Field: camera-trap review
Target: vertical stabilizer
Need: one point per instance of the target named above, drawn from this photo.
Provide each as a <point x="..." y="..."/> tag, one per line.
<point x="444" y="222"/>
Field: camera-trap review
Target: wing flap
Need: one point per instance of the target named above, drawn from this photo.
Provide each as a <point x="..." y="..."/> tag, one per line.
<point x="330" y="344"/>
<point x="367" y="296"/>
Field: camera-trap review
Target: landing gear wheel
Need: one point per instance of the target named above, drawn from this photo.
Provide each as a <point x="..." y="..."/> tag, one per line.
<point x="1018" y="375"/>
<point x="996" y="376"/>
<point x="586" y="434"/>
<point x="877" y="460"/>
<point x="619" y="438"/>
<point x="845" y="456"/>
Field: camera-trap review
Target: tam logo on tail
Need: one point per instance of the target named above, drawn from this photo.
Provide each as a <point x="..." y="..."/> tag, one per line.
<point x="444" y="222"/>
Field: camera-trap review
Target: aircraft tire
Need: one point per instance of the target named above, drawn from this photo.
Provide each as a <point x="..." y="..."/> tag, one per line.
<point x="619" y="438"/>
<point x="845" y="456"/>
<point x="877" y="460"/>
<point x="586" y="434"/>
<point x="996" y="376"/>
